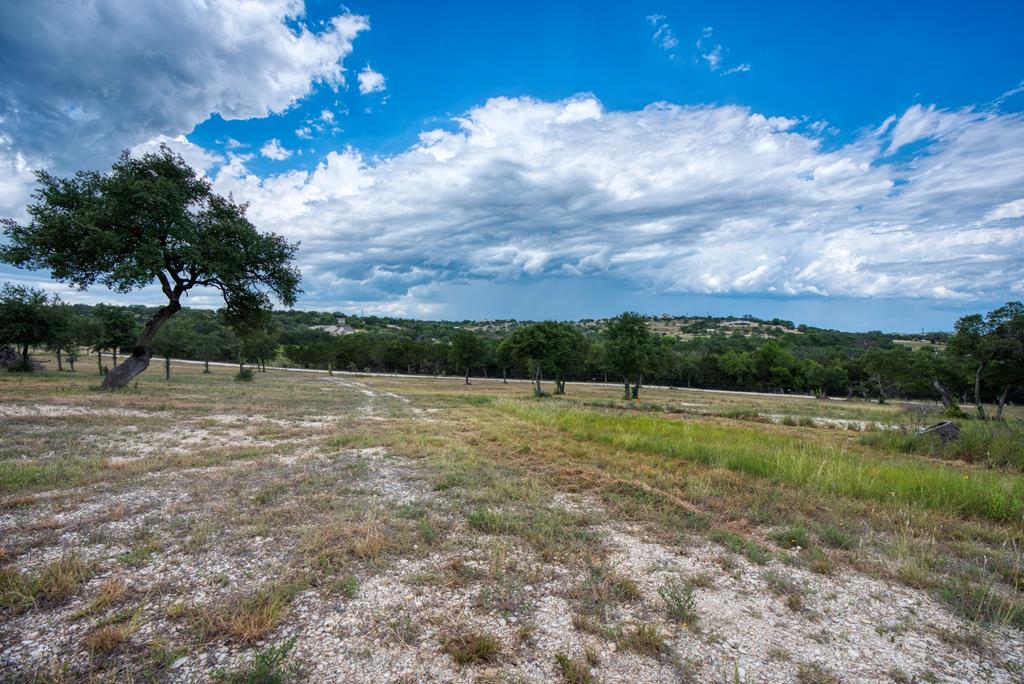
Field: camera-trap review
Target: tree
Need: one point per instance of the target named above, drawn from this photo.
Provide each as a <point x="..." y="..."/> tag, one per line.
<point x="117" y="328"/>
<point x="466" y="349"/>
<point x="63" y="338"/>
<point x="628" y="349"/>
<point x="172" y="340"/>
<point x="996" y="338"/>
<point x="504" y="356"/>
<point x="152" y="218"/>
<point x="530" y="345"/>
<point x="25" y="318"/>
<point x="565" y="351"/>
<point x="261" y="345"/>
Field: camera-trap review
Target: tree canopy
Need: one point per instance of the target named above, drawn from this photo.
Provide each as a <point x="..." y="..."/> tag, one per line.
<point x="151" y="219"/>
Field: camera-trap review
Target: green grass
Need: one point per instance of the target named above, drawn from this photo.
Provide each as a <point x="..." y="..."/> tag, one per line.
<point x="996" y="444"/>
<point x="819" y="466"/>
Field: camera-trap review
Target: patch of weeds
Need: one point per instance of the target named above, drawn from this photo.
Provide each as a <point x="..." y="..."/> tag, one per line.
<point x="836" y="537"/>
<point x="111" y="591"/>
<point x="982" y="602"/>
<point x="792" y="537"/>
<point x="553" y="532"/>
<point x="818" y="561"/>
<point x="404" y="630"/>
<point x="603" y="586"/>
<point x="785" y="587"/>
<point x="812" y="673"/>
<point x="141" y="552"/>
<point x="680" y="602"/>
<point x="467" y="648"/>
<point x="244" y="618"/>
<point x="505" y="596"/>
<point x="345" y="585"/>
<point x="269" y="665"/>
<point x="574" y="671"/>
<point x="753" y="551"/>
<point x="54" y="583"/>
<point x="265" y="496"/>
<point x="110" y="637"/>
<point x="645" y="639"/>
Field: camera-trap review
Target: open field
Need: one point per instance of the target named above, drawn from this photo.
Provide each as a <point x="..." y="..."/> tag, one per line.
<point x="379" y="529"/>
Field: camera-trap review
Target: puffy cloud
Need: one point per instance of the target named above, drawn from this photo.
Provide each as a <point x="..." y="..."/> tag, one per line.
<point x="159" y="69"/>
<point x="272" y="149"/>
<point x="707" y="199"/>
<point x="194" y="155"/>
<point x="371" y="81"/>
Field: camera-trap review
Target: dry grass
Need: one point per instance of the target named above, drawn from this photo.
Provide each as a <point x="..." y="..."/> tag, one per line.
<point x="468" y="648"/>
<point x="244" y="618"/>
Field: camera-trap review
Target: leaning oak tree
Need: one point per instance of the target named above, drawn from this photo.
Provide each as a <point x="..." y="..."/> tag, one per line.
<point x="152" y="218"/>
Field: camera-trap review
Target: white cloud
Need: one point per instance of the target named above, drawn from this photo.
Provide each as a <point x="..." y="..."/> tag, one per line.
<point x="193" y="154"/>
<point x="1008" y="210"/>
<point x="272" y="149"/>
<point x="712" y="53"/>
<point x="371" y="81"/>
<point x="710" y="199"/>
<point x="158" y="69"/>
<point x="304" y="132"/>
<point x="663" y="36"/>
<point x="327" y="115"/>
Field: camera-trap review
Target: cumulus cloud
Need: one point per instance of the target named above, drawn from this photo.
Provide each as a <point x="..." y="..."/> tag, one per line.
<point x="194" y="155"/>
<point x="159" y="69"/>
<point x="707" y="199"/>
<point x="272" y="149"/>
<point x="371" y="81"/>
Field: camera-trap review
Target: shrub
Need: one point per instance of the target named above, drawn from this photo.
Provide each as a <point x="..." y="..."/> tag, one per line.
<point x="270" y="665"/>
<point x="680" y="603"/>
<point x="244" y="375"/>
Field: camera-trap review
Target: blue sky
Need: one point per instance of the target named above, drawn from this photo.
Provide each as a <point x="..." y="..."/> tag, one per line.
<point x="858" y="167"/>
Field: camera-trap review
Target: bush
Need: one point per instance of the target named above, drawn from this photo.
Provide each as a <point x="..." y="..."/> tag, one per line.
<point x="244" y="375"/>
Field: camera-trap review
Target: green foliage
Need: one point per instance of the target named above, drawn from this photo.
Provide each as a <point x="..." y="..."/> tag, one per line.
<point x="270" y="665"/>
<point x="628" y="345"/>
<point x="244" y="375"/>
<point x="151" y="219"/>
<point x="680" y="602"/>
<point x="26" y="318"/>
<point x="466" y="349"/>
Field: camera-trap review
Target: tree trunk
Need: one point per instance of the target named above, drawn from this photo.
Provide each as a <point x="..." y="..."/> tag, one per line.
<point x="206" y="366"/>
<point x="121" y="375"/>
<point x="113" y="351"/>
<point x="24" y="354"/>
<point x="1001" y="403"/>
<point x="537" y="391"/>
<point x="625" y="392"/>
<point x="467" y="375"/>
<point x="71" y="362"/>
<point x="977" y="392"/>
<point x="99" y="360"/>
<point x="167" y="368"/>
<point x="330" y="368"/>
<point x="504" y="379"/>
<point x="60" y="365"/>
<point x="947" y="399"/>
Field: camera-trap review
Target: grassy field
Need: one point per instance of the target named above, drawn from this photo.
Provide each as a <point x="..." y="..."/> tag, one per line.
<point x="306" y="527"/>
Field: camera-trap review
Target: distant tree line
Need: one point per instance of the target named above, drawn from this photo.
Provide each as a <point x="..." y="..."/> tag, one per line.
<point x="981" y="362"/>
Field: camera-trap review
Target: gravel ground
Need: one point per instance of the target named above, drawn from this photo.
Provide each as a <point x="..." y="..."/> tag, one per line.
<point x="182" y="539"/>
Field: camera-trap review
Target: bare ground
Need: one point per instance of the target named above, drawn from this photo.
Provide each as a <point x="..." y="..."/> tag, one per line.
<point x="380" y="570"/>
